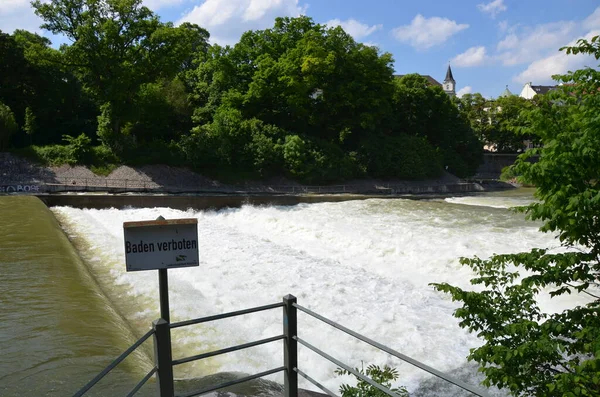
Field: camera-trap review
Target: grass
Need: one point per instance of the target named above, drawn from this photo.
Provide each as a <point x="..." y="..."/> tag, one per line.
<point x="103" y="170"/>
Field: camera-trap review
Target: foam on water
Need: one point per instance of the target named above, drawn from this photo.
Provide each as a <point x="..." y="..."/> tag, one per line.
<point x="366" y="264"/>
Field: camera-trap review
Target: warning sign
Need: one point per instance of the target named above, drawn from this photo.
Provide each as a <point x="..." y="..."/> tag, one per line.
<point x="161" y="244"/>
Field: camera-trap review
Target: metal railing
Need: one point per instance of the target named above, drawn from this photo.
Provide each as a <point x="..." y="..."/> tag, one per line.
<point x="379" y="346"/>
<point x="164" y="362"/>
<point x="116" y="362"/>
<point x="114" y="185"/>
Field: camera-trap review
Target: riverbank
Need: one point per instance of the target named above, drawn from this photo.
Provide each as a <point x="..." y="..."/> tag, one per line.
<point x="19" y="175"/>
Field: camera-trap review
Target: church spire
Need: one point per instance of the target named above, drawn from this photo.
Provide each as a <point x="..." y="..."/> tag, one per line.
<point x="449" y="83"/>
<point x="449" y="76"/>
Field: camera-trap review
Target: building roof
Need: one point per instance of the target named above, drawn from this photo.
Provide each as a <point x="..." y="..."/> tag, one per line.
<point x="449" y="76"/>
<point x="543" y="89"/>
<point x="430" y="79"/>
<point x="506" y="93"/>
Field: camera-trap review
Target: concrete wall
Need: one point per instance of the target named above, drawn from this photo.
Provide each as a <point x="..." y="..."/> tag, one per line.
<point x="212" y="201"/>
<point x="100" y="201"/>
<point x="493" y="163"/>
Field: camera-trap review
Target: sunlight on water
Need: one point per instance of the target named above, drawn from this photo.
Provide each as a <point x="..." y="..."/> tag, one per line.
<point x="365" y="264"/>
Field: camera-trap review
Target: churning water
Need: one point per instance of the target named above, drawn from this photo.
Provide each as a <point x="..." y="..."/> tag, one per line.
<point x="365" y="264"/>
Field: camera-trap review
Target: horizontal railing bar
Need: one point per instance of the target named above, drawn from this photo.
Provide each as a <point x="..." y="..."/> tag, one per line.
<point x="395" y="353"/>
<point x="227" y="350"/>
<point x="347" y="368"/>
<point x="314" y="382"/>
<point x="112" y="365"/>
<point x="226" y="315"/>
<point x="142" y="382"/>
<point x="233" y="382"/>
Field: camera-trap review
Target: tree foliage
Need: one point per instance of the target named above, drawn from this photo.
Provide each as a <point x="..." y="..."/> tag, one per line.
<point x="526" y="350"/>
<point x="117" y="46"/>
<point x="299" y="99"/>
<point x="498" y="123"/>
<point x="383" y="376"/>
<point x="33" y="77"/>
<point x="8" y="126"/>
<point x="333" y="108"/>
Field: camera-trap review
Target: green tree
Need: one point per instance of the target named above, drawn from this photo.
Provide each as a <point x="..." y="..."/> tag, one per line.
<point x="8" y="126"/>
<point x="507" y="123"/>
<point x="320" y="90"/>
<point x="162" y="112"/>
<point x="32" y="75"/>
<point x="475" y="108"/>
<point x="117" y="46"/>
<point x="526" y="350"/>
<point x="428" y="112"/>
<point x="30" y="123"/>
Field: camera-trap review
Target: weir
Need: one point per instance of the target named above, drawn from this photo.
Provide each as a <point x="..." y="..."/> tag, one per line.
<point x="217" y="202"/>
<point x="333" y="255"/>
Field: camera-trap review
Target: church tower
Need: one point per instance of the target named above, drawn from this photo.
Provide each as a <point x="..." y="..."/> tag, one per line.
<point x="449" y="83"/>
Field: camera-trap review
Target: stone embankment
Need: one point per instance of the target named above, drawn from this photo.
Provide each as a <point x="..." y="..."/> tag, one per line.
<point x="19" y="175"/>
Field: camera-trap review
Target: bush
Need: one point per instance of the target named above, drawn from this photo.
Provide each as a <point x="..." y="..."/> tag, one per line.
<point x="49" y="155"/>
<point x="384" y="376"/>
<point x="78" y="148"/>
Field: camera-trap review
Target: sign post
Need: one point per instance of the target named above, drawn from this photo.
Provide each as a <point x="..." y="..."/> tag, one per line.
<point x="162" y="245"/>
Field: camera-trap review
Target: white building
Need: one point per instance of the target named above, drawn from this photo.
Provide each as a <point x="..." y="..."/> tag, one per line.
<point x="529" y="90"/>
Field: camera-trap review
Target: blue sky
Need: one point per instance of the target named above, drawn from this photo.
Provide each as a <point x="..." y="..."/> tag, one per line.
<point x="489" y="43"/>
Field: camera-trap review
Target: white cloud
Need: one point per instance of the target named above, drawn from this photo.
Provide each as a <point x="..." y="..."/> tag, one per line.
<point x="593" y="21"/>
<point x="474" y="56"/>
<point x="510" y="42"/>
<point x="503" y="26"/>
<point x="226" y="20"/>
<point x="532" y="43"/>
<point x="427" y="32"/>
<point x="8" y="6"/>
<point x="541" y="70"/>
<point x="354" y="28"/>
<point x="465" y="90"/>
<point x="371" y="44"/>
<point x="494" y="8"/>
<point x="18" y="14"/>
<point x="158" y="4"/>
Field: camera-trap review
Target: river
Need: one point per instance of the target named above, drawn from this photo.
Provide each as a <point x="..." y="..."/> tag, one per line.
<point x="69" y="307"/>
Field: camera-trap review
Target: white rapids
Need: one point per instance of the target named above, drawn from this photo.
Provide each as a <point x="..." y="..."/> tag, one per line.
<point x="365" y="264"/>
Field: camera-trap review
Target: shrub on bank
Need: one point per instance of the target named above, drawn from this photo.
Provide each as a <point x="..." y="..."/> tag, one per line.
<point x="100" y="159"/>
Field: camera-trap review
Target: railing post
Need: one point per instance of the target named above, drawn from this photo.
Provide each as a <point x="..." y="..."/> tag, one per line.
<point x="163" y="358"/>
<point x="290" y="349"/>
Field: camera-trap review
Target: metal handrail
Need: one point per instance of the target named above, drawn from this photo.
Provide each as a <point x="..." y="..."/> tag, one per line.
<point x="142" y="382"/>
<point x="227" y="350"/>
<point x="112" y="365"/>
<point x="395" y="353"/>
<point x="316" y="383"/>
<point x="346" y="367"/>
<point x="226" y="315"/>
<point x="290" y="369"/>
<point x="233" y="382"/>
